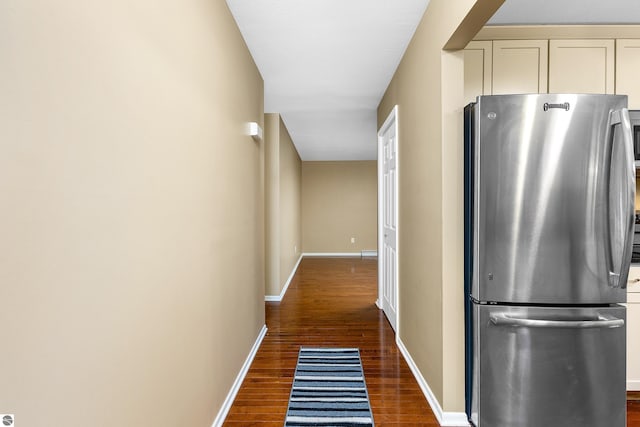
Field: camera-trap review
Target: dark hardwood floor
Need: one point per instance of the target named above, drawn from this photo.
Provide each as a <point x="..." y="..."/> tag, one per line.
<point x="633" y="409"/>
<point x="331" y="302"/>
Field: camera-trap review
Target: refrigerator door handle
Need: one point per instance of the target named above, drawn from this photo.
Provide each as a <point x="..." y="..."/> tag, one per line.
<point x="604" y="321"/>
<point x="621" y="117"/>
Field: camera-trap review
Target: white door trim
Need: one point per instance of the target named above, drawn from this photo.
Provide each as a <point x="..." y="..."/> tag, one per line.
<point x="393" y="117"/>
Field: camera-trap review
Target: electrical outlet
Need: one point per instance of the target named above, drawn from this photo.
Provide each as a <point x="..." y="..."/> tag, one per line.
<point x="353" y="240"/>
<point x="295" y="249"/>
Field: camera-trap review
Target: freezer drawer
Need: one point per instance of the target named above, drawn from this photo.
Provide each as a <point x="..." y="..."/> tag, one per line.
<point x="552" y="367"/>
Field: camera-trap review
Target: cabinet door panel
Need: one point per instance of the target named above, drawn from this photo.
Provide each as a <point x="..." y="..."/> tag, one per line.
<point x="628" y="70"/>
<point x="633" y="329"/>
<point x="633" y="344"/>
<point x="477" y="70"/>
<point x="581" y="66"/>
<point x="520" y="66"/>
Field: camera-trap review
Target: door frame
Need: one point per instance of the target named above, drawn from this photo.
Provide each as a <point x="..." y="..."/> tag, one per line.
<point x="391" y="118"/>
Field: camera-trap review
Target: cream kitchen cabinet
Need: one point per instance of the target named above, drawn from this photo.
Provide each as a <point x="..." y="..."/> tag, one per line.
<point x="633" y="329"/>
<point x="627" y="69"/>
<point x="581" y="66"/>
<point x="519" y="66"/>
<point x="478" y="59"/>
<point x="554" y="66"/>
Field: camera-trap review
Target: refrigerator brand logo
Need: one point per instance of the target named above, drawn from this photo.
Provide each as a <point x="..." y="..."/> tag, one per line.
<point x="7" y="420"/>
<point x="547" y="106"/>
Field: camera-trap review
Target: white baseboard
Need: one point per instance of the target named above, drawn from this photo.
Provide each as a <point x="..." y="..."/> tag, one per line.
<point x="332" y="254"/>
<point x="369" y="253"/>
<point x="226" y="405"/>
<point x="633" y="385"/>
<point x="455" y="419"/>
<point x="449" y="419"/>
<point x="278" y="298"/>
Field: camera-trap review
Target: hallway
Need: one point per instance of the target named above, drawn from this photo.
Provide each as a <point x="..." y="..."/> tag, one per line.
<point x="331" y="302"/>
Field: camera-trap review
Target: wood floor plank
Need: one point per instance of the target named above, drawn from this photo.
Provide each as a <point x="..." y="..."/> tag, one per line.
<point x="331" y="303"/>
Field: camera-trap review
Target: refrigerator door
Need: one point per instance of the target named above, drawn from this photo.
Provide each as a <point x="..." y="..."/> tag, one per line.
<point x="554" y="191"/>
<point x="552" y="367"/>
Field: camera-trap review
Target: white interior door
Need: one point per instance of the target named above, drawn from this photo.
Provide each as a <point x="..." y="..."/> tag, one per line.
<point x="388" y="219"/>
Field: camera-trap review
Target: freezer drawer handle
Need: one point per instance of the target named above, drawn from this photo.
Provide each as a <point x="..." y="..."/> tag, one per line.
<point x="604" y="321"/>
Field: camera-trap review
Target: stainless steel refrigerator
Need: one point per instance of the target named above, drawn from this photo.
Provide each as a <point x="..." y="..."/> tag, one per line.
<point x="549" y="218"/>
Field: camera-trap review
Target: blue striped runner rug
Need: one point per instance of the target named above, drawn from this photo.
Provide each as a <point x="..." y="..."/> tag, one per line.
<point x="329" y="390"/>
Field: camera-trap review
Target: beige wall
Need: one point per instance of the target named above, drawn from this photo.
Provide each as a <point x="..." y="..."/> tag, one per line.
<point x="283" y="199"/>
<point x="272" y="203"/>
<point x="428" y="89"/>
<point x="290" y="204"/>
<point x="132" y="256"/>
<point x="339" y="201"/>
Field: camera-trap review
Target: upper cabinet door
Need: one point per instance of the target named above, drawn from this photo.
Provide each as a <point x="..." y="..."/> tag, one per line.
<point x="477" y="70"/>
<point x="581" y="66"/>
<point x="520" y="66"/>
<point x="628" y="71"/>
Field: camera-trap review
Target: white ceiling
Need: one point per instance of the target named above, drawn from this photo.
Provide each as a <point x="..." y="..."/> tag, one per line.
<point x="327" y="63"/>
<point x="567" y="12"/>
